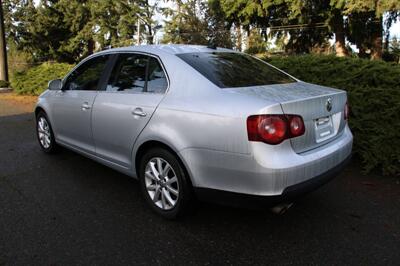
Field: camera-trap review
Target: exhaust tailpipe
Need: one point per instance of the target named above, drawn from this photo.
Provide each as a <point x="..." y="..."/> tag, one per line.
<point x="281" y="208"/>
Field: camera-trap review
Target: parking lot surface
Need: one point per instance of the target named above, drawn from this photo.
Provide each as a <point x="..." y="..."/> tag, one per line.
<point x="66" y="209"/>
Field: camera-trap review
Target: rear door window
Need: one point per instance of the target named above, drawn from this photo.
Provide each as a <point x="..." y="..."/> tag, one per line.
<point x="157" y="81"/>
<point x="129" y="73"/>
<point x="231" y="70"/>
<point x="137" y="73"/>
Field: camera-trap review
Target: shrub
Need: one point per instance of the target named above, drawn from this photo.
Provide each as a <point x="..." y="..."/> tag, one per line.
<point x="18" y="60"/>
<point x="374" y="96"/>
<point x="4" y="84"/>
<point x="34" y="80"/>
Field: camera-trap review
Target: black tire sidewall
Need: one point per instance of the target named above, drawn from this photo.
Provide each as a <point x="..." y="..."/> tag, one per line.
<point x="53" y="146"/>
<point x="185" y="193"/>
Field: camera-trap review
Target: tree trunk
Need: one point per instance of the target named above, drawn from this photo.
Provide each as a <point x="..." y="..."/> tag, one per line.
<point x="387" y="42"/>
<point x="150" y="37"/>
<point x="340" y="45"/>
<point x="238" y="38"/>
<point x="3" y="48"/>
<point x="248" y="36"/>
<point x="90" y="46"/>
<point x="340" y="39"/>
<point x="361" y="52"/>
<point x="377" y="38"/>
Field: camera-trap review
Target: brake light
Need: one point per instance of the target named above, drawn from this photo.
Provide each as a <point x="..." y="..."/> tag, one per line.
<point x="296" y="125"/>
<point x="273" y="129"/>
<point x="346" y="111"/>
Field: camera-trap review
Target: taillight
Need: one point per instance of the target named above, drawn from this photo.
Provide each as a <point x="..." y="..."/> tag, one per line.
<point x="273" y="129"/>
<point x="346" y="111"/>
<point x="296" y="125"/>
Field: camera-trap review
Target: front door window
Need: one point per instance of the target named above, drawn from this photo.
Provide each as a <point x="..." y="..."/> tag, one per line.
<point x="87" y="76"/>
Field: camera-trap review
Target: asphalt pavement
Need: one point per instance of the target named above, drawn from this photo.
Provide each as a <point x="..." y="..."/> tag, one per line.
<point x="68" y="210"/>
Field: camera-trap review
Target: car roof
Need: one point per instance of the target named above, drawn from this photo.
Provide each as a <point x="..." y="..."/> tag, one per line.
<point x="167" y="48"/>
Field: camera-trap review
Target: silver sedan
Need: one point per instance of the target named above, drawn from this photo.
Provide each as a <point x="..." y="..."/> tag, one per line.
<point x="195" y="122"/>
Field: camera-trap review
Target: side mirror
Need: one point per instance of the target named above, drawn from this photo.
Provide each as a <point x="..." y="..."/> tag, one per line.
<point x="55" y="84"/>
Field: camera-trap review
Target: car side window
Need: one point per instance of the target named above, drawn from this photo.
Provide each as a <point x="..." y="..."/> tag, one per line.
<point x="157" y="81"/>
<point x="137" y="73"/>
<point x="129" y="73"/>
<point x="87" y="76"/>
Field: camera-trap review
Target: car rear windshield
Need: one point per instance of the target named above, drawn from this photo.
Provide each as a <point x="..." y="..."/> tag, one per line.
<point x="232" y="70"/>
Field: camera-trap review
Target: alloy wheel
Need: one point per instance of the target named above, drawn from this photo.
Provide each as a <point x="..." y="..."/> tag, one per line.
<point x="44" y="132"/>
<point x="161" y="183"/>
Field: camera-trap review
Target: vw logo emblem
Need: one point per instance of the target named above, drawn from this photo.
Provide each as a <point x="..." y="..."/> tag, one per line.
<point x="328" y="104"/>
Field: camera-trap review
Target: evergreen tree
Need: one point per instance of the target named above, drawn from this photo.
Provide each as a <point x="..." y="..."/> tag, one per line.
<point x="218" y="29"/>
<point x="366" y="23"/>
<point x="78" y="20"/>
<point x="187" y="24"/>
<point x="68" y="30"/>
<point x="307" y="24"/>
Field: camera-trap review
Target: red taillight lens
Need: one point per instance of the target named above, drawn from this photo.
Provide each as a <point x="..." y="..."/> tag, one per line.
<point x="346" y="111"/>
<point x="296" y="125"/>
<point x="273" y="129"/>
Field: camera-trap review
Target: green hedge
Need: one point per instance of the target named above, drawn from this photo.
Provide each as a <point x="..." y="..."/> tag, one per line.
<point x="34" y="80"/>
<point x="4" y="84"/>
<point x="374" y="96"/>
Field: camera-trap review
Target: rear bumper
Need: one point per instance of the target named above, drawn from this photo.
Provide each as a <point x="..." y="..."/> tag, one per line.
<point x="270" y="170"/>
<point x="289" y="194"/>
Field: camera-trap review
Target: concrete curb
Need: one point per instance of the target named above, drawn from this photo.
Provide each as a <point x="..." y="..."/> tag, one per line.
<point x="4" y="90"/>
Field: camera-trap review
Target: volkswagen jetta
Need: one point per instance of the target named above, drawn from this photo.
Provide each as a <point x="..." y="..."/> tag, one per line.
<point x="198" y="122"/>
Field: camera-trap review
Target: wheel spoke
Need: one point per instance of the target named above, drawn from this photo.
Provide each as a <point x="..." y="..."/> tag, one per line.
<point x="156" y="195"/>
<point x="159" y="166"/>
<point x="172" y="180"/>
<point x="172" y="190"/>
<point x="150" y="175"/>
<point x="42" y="138"/>
<point x="154" y="170"/>
<point x="41" y="124"/>
<point x="168" y="197"/>
<point x="151" y="187"/>
<point x="166" y="169"/>
<point x="163" y="202"/>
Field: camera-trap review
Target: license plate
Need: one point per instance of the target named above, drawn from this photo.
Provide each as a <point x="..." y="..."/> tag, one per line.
<point x="324" y="128"/>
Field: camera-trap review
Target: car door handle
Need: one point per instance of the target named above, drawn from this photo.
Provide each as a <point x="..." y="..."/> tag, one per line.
<point x="85" y="106"/>
<point x="139" y="112"/>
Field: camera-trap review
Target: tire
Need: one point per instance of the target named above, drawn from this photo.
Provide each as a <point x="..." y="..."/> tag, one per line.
<point x="168" y="196"/>
<point x="44" y="133"/>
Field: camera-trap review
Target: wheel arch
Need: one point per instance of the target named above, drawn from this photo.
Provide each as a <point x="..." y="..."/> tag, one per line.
<point x="39" y="109"/>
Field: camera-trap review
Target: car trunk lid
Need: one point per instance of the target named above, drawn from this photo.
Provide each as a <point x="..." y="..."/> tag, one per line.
<point x="321" y="109"/>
